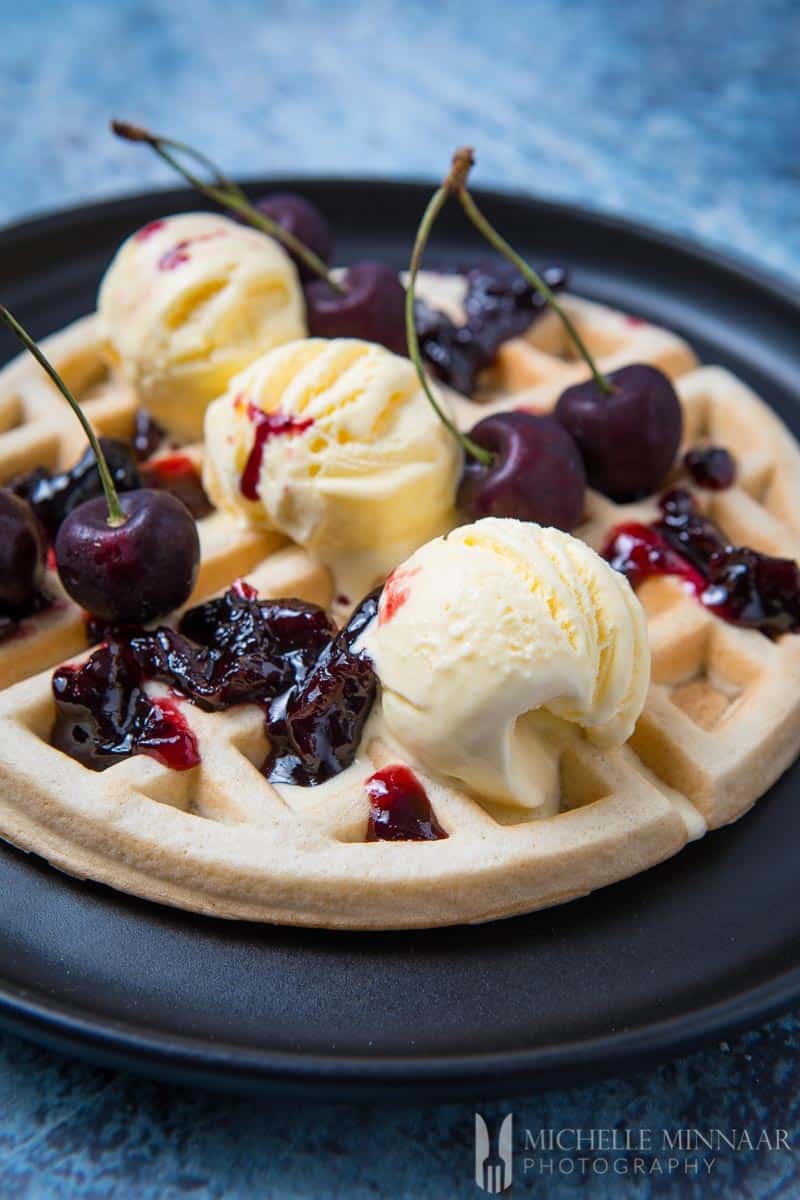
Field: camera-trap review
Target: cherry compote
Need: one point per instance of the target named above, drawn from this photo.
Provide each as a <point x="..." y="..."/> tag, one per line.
<point x="316" y="689"/>
<point x="399" y="809"/>
<point x="54" y="495"/>
<point x="499" y="304"/>
<point x="740" y="585"/>
<point x="315" y="728"/>
<point x="236" y="649"/>
<point x="104" y="715"/>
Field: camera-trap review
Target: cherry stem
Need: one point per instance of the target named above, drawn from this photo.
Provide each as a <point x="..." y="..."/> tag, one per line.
<point x="435" y="206"/>
<point x="534" y="279"/>
<point x="225" y="192"/>
<point x="116" y="516"/>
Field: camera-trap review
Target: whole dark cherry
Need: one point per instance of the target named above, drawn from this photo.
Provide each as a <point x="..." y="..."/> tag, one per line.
<point x="629" y="438"/>
<point x="302" y="219"/>
<point x="134" y="572"/>
<point x="21" y="554"/>
<point x="372" y="308"/>
<point x="537" y="473"/>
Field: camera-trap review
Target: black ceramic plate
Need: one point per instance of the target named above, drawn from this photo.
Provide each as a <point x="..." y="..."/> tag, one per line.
<point x="700" y="945"/>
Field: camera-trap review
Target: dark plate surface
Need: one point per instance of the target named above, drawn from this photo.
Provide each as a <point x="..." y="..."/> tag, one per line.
<point x="707" y="942"/>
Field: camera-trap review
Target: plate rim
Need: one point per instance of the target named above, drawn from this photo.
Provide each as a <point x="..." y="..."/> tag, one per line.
<point x="228" y="1066"/>
<point x="782" y="287"/>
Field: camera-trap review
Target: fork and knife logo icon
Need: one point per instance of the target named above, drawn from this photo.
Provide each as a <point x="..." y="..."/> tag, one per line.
<point x="494" y="1165"/>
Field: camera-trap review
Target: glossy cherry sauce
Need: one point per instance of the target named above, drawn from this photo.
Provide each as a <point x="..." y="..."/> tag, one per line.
<point x="738" y="584"/>
<point x="400" y="810"/>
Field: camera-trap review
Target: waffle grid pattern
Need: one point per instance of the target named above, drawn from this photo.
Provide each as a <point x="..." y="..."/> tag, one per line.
<point x="720" y="724"/>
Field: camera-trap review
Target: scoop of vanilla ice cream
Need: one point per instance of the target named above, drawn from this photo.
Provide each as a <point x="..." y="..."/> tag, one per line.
<point x="334" y="444"/>
<point x="486" y="636"/>
<point x="189" y="301"/>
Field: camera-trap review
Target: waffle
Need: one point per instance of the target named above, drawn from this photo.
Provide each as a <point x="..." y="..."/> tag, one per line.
<point x="721" y="722"/>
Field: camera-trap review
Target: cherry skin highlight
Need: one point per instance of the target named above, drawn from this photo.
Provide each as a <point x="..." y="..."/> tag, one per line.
<point x="536" y="475"/>
<point x="137" y="571"/>
<point x="629" y="438"/>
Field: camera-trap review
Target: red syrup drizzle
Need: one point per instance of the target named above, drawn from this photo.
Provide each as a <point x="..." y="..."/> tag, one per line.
<point x="396" y="591"/>
<point x="168" y="738"/>
<point x="148" y="230"/>
<point x="400" y="810"/>
<point x="179" y="476"/>
<point x="178" y="253"/>
<point x="267" y="426"/>
<point x="740" y="585"/>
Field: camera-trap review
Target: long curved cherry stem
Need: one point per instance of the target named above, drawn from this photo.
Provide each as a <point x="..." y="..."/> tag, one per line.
<point x="225" y="192"/>
<point x="116" y="516"/>
<point x="434" y="207"/>
<point x="496" y="240"/>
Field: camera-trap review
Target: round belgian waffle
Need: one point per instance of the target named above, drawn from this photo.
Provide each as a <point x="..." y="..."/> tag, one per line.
<point x="722" y="719"/>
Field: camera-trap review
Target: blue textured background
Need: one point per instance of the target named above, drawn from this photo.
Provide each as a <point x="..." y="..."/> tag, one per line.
<point x="680" y="113"/>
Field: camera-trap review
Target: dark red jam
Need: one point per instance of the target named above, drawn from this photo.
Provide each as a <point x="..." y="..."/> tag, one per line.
<point x="178" y="475"/>
<point x="317" y="691"/>
<point x="104" y="715"/>
<point x="499" y="304"/>
<point x="315" y="728"/>
<point x="400" y="810"/>
<point x="236" y="649"/>
<point x="267" y="426"/>
<point x="739" y="585"/>
<point x="711" y="467"/>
